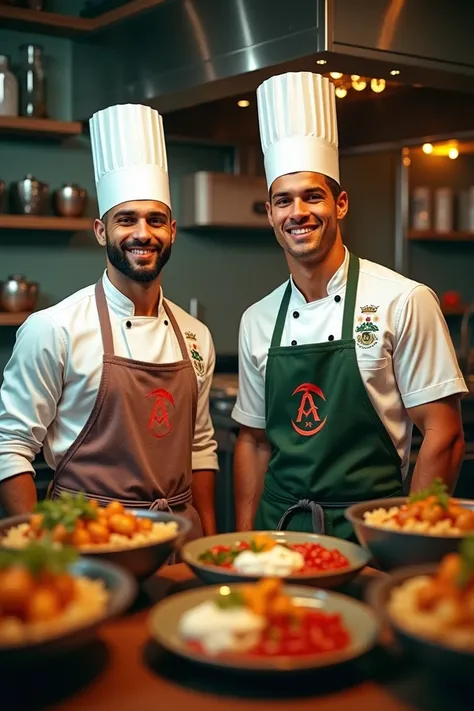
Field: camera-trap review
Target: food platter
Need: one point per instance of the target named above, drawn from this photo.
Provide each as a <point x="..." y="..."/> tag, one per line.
<point x="356" y="557"/>
<point x="358" y="618"/>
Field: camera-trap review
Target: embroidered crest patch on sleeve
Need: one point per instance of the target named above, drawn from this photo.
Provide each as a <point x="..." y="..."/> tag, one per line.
<point x="367" y="330"/>
<point x="196" y="357"/>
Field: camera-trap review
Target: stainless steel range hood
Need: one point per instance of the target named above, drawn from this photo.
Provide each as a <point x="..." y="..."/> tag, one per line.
<point x="185" y="52"/>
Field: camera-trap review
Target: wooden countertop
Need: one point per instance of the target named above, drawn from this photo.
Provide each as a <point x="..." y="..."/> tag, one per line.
<point x="124" y="671"/>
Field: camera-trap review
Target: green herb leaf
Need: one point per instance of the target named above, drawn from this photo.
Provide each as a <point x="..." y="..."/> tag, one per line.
<point x="66" y="510"/>
<point x="227" y="602"/>
<point x="39" y="556"/>
<point x="466" y="551"/>
<point x="437" y="488"/>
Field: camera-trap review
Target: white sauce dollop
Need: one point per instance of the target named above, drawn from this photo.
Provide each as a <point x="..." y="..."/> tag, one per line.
<point x="219" y="630"/>
<point x="278" y="561"/>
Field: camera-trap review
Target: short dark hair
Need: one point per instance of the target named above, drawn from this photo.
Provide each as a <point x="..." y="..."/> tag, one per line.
<point x="333" y="186"/>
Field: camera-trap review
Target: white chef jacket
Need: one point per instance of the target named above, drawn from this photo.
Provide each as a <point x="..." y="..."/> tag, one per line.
<point x="52" y="378"/>
<point x="410" y="361"/>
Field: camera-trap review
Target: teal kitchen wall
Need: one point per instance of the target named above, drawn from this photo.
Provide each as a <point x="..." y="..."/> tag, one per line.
<point x="226" y="273"/>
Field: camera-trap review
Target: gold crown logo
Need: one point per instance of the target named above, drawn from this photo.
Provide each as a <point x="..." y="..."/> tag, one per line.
<point x="369" y="309"/>
<point x="190" y="335"/>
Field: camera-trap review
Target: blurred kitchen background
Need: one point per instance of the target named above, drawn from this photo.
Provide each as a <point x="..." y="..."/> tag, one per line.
<point x="404" y="76"/>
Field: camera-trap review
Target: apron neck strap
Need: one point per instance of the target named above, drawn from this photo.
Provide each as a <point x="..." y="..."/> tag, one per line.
<point x="104" y="319"/>
<point x="351" y="293"/>
<point x="177" y="330"/>
<point x="106" y="328"/>
<point x="349" y="305"/>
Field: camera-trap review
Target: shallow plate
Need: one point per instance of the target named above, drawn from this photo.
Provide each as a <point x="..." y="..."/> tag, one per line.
<point x="437" y="656"/>
<point x="395" y="549"/>
<point x="359" y="619"/>
<point x="211" y="574"/>
<point x="142" y="560"/>
<point x="122" y="590"/>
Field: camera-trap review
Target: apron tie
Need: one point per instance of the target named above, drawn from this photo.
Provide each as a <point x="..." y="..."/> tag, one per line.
<point x="317" y="514"/>
<point x="161" y="504"/>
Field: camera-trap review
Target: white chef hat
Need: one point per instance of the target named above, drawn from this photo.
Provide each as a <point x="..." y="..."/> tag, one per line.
<point x="298" y="125"/>
<point x="129" y="156"/>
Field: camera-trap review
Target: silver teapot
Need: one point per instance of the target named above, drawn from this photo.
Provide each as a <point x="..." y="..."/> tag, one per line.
<point x="18" y="294"/>
<point x="29" y="196"/>
<point x="70" y="200"/>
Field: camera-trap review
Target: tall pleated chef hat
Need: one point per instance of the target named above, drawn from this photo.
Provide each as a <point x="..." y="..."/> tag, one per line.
<point x="129" y="156"/>
<point x="298" y="125"/>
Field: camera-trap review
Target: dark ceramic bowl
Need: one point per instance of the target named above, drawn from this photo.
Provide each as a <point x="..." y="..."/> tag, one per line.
<point x="395" y="549"/>
<point x="438" y="657"/>
<point x="141" y="561"/>
<point x="122" y="590"/>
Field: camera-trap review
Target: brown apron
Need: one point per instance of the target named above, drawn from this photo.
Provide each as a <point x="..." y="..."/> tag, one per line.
<point x="136" y="446"/>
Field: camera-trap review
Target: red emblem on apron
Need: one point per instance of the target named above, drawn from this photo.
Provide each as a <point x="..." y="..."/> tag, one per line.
<point x="159" y="422"/>
<point x="308" y="417"/>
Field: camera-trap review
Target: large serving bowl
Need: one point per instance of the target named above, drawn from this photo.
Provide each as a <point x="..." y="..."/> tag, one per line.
<point x="392" y="549"/>
<point x="122" y="590"/>
<point x="211" y="575"/>
<point x="358" y="618"/>
<point x="141" y="561"/>
<point x="448" y="661"/>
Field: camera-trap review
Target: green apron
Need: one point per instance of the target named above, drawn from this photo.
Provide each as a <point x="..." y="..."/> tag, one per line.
<point x="329" y="448"/>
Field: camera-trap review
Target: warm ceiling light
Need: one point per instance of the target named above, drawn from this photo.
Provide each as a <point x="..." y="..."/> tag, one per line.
<point x="243" y="103"/>
<point x="336" y="75"/>
<point x="427" y="148"/>
<point x="340" y="92"/>
<point x="357" y="83"/>
<point x="453" y="153"/>
<point x="321" y="61"/>
<point x="395" y="72"/>
<point x="377" y="85"/>
<point x="406" y="161"/>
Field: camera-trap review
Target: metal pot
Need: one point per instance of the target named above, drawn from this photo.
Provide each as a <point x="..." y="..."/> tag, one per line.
<point x="70" y="200"/>
<point x="18" y="294"/>
<point x="29" y="196"/>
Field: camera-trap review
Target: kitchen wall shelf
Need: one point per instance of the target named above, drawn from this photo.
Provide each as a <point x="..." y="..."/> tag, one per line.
<point x="72" y="26"/>
<point x="431" y="235"/>
<point x="12" y="319"/>
<point x="38" y="127"/>
<point x="45" y="222"/>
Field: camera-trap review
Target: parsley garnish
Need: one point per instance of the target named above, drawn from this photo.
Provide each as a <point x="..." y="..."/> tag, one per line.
<point x="234" y="599"/>
<point x="66" y="510"/>
<point x="38" y="556"/>
<point x="438" y="489"/>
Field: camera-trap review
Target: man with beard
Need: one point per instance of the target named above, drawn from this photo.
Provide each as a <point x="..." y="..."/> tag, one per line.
<point x="114" y="381"/>
<point x="336" y="364"/>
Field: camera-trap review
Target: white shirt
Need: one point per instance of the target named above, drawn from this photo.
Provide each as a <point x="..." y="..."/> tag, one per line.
<point x="410" y="361"/>
<point x="52" y="378"/>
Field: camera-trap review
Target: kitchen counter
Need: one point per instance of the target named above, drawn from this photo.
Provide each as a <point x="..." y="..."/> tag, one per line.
<point x="124" y="671"/>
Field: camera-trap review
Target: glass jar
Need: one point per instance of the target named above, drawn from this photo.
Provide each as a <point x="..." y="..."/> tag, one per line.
<point x="8" y="89"/>
<point x="32" y="82"/>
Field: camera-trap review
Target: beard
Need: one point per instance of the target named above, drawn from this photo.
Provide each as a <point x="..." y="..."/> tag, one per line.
<point x="119" y="259"/>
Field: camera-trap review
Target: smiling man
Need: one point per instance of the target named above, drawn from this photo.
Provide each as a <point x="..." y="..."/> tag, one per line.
<point x="113" y="382"/>
<point x="336" y="364"/>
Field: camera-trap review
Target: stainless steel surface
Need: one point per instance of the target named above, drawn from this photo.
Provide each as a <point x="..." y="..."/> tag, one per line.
<point x="209" y="49"/>
<point x="70" y="200"/>
<point x="29" y="196"/>
<point x="392" y="549"/>
<point x="223" y="200"/>
<point x="18" y="294"/>
<point x="120" y="585"/>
